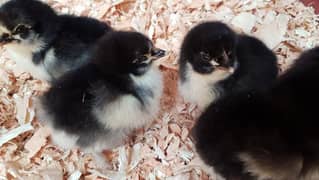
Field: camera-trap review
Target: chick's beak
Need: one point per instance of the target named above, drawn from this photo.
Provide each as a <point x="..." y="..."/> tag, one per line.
<point x="227" y="69"/>
<point x="227" y="64"/>
<point x="157" y="53"/>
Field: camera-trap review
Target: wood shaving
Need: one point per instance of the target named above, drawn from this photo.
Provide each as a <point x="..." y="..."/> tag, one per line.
<point x="245" y="21"/>
<point x="75" y="175"/>
<point x="4" y="138"/>
<point x="37" y="141"/>
<point x="164" y="149"/>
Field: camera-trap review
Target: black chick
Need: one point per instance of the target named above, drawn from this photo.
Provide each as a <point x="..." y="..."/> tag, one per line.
<point x="97" y="105"/>
<point x="214" y="60"/>
<point x="46" y="44"/>
<point x="266" y="135"/>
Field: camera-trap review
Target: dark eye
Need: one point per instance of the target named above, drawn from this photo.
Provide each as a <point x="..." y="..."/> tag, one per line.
<point x="205" y="56"/>
<point x="220" y="59"/>
<point x="21" y="29"/>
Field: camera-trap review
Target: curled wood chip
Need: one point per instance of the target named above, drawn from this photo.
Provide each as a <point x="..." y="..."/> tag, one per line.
<point x="245" y="21"/>
<point x="4" y="138"/>
<point x="52" y="173"/>
<point x="37" y="141"/>
<point x="302" y="33"/>
<point x="136" y="156"/>
<point x="174" y="128"/>
<point x="123" y="161"/>
<point x="75" y="175"/>
<point x="22" y="106"/>
<point x="277" y="27"/>
<point x="184" y="134"/>
<point x="186" y="155"/>
<point x="108" y="175"/>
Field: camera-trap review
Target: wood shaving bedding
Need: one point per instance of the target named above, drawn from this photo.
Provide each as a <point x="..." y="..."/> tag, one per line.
<point x="164" y="149"/>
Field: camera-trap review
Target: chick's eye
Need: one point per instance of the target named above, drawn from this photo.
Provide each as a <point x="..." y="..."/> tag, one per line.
<point x="220" y="59"/>
<point x="205" y="56"/>
<point x="20" y="29"/>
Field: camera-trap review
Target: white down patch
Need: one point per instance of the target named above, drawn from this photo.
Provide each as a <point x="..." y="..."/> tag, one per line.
<point x="22" y="54"/>
<point x="199" y="88"/>
<point x="127" y="112"/>
<point x="3" y="29"/>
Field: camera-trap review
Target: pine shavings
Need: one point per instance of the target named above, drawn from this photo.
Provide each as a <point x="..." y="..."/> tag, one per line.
<point x="186" y="155"/>
<point x="21" y="104"/>
<point x="4" y="138"/>
<point x="75" y="175"/>
<point x="136" y="156"/>
<point x="245" y="21"/>
<point x="52" y="173"/>
<point x="277" y="26"/>
<point x="164" y="149"/>
<point x="37" y="141"/>
<point x="123" y="161"/>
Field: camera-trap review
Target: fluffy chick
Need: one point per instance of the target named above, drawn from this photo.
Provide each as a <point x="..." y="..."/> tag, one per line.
<point x="266" y="135"/>
<point x="214" y="60"/>
<point x="46" y="44"/>
<point x="97" y="105"/>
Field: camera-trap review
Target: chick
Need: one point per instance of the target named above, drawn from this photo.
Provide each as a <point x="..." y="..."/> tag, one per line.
<point x="266" y="135"/>
<point x="214" y="60"/>
<point x="97" y="105"/>
<point x="46" y="44"/>
<point x="206" y="57"/>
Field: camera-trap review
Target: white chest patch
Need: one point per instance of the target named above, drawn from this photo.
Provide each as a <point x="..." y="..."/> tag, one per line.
<point x="199" y="89"/>
<point x="3" y="29"/>
<point x="127" y="111"/>
<point x="22" y="54"/>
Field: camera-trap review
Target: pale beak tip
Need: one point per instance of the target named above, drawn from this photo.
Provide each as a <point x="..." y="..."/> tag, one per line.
<point x="158" y="53"/>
